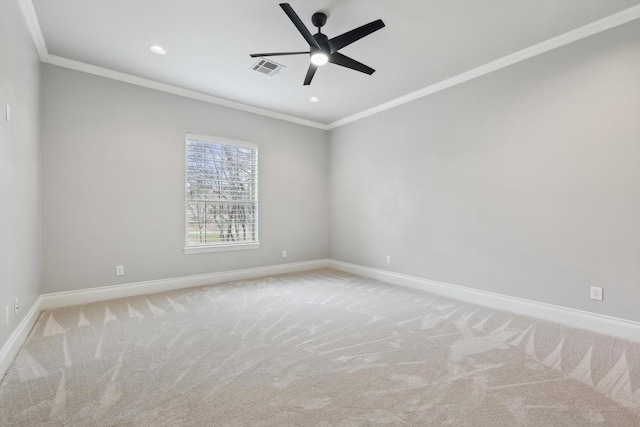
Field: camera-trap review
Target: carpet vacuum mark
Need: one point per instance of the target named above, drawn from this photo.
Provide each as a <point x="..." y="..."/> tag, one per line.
<point x="318" y="348"/>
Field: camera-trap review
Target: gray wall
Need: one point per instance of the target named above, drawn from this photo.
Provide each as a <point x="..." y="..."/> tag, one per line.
<point x="19" y="167"/>
<point x="524" y="182"/>
<point x="113" y="183"/>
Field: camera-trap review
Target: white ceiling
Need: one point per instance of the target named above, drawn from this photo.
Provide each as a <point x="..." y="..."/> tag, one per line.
<point x="208" y="42"/>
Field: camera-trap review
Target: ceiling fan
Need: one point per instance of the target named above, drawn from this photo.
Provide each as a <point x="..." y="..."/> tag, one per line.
<point x="323" y="49"/>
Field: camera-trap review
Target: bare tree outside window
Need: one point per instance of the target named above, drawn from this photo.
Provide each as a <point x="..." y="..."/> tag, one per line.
<point x="222" y="195"/>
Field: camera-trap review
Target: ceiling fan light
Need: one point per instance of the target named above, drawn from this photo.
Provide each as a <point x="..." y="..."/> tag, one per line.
<point x="319" y="58"/>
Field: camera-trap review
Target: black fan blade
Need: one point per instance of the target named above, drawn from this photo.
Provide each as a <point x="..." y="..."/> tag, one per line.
<point x="310" y="72"/>
<point x="299" y="25"/>
<point x="349" y="37"/>
<point x="340" y="59"/>
<point x="255" y="55"/>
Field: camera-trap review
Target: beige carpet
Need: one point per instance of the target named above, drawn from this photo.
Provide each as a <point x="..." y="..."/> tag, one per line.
<point x="318" y="348"/>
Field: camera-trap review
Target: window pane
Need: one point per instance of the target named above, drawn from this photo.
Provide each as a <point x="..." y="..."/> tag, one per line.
<point x="221" y="194"/>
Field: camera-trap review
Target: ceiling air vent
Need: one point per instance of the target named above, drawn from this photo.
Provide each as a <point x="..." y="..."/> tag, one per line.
<point x="267" y="67"/>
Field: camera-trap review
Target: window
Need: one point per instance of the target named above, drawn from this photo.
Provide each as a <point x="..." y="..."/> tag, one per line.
<point x="222" y="194"/>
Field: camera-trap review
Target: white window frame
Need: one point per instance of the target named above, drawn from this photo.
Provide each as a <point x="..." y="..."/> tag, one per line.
<point x="218" y="247"/>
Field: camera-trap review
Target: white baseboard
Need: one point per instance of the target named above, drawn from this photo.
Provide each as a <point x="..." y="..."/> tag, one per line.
<point x="18" y="337"/>
<point x="613" y="326"/>
<point x="85" y="296"/>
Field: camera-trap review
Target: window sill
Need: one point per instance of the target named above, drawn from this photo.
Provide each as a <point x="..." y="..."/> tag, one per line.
<point x="220" y="248"/>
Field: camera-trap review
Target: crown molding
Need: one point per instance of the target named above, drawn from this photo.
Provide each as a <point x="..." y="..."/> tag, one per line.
<point x="33" y="25"/>
<point x="175" y="90"/>
<point x="595" y="27"/>
<point x="31" y="19"/>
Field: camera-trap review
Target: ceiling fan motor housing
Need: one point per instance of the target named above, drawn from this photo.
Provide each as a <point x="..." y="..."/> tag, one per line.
<point x="318" y="19"/>
<point x="323" y="42"/>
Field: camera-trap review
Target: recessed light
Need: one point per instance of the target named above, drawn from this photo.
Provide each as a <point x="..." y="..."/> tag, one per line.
<point x="314" y="99"/>
<point x="158" y="50"/>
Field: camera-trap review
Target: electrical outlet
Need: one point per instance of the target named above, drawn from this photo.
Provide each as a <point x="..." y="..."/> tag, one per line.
<point x="16" y="306"/>
<point x="119" y="270"/>
<point x="388" y="259"/>
<point x="284" y="253"/>
<point x="596" y="293"/>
